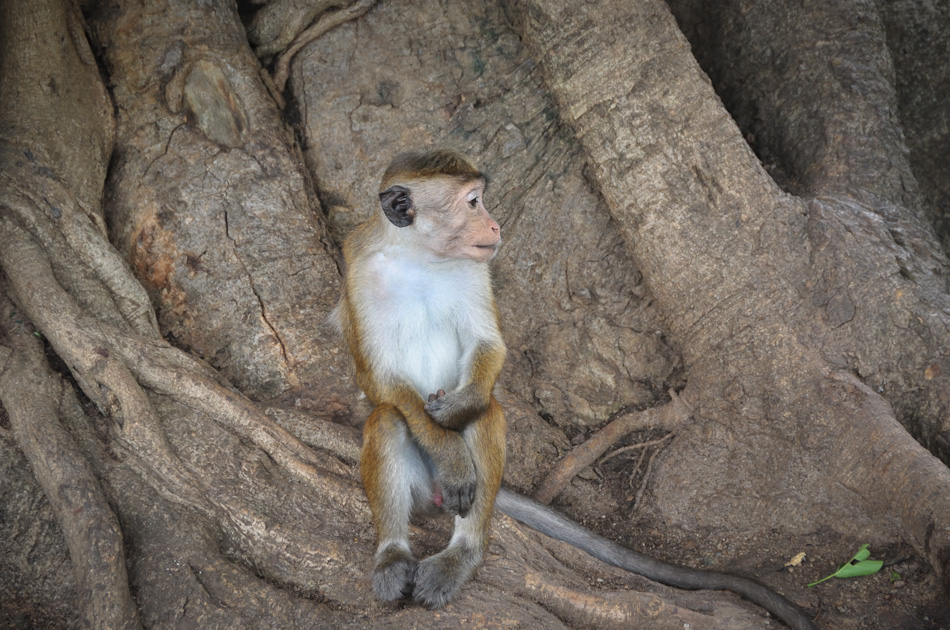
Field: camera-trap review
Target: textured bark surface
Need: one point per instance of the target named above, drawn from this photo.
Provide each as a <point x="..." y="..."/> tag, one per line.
<point x="586" y="345"/>
<point x="851" y="163"/>
<point x="917" y="37"/>
<point x="722" y="286"/>
<point x="209" y="203"/>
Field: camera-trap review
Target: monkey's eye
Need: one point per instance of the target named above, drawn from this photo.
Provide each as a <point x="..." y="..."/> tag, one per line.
<point x="473" y="200"/>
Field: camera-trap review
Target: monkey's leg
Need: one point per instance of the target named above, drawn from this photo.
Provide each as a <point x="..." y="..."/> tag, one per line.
<point x="439" y="577"/>
<point x="392" y="468"/>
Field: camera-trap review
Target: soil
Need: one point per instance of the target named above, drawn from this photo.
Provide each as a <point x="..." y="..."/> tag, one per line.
<point x="905" y="595"/>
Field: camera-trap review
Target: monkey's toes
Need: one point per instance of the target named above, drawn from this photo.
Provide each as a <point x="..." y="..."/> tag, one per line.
<point x="458" y="499"/>
<point x="437" y="581"/>
<point x="394" y="576"/>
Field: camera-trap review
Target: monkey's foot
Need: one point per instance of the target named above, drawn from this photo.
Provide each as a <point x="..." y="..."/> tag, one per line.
<point x="438" y="578"/>
<point x="456" y="478"/>
<point x="457" y="498"/>
<point x="394" y="574"/>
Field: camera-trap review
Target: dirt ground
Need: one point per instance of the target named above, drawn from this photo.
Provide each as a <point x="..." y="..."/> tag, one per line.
<point x="910" y="600"/>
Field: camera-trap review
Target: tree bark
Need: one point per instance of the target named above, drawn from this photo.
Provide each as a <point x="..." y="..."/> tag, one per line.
<point x="32" y="395"/>
<point x="210" y="204"/>
<point x="814" y="86"/>
<point x="201" y="464"/>
<point x="917" y="36"/>
<point x="67" y="180"/>
<point x="764" y="395"/>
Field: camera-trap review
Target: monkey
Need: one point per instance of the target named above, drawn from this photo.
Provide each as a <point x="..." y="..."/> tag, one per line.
<point x="420" y="320"/>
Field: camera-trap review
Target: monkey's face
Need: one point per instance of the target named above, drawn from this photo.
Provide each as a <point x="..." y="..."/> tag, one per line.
<point x="469" y="230"/>
<point x="445" y="216"/>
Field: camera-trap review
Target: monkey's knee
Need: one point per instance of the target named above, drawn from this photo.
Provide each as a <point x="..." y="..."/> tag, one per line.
<point x="384" y="440"/>
<point x="384" y="423"/>
<point x="394" y="573"/>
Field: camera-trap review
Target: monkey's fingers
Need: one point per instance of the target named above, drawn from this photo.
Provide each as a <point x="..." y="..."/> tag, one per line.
<point x="441" y="407"/>
<point x="435" y="406"/>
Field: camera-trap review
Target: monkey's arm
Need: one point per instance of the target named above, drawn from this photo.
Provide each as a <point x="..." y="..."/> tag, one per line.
<point x="451" y="456"/>
<point x="457" y="409"/>
<point x="447" y="448"/>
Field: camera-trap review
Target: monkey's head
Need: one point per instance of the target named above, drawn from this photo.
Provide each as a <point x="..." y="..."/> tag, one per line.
<point x="435" y="199"/>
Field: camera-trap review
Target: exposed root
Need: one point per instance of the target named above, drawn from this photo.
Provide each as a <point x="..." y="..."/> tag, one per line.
<point x="668" y="416"/>
<point x="30" y="394"/>
<point x="321" y="26"/>
<point x="646" y="479"/>
<point x="167" y="370"/>
<point x="630" y="609"/>
<point x="634" y="447"/>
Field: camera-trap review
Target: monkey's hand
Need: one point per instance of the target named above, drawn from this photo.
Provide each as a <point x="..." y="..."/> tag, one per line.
<point x="455" y="474"/>
<point x="456" y="410"/>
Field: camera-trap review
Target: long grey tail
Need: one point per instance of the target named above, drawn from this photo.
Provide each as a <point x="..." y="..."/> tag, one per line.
<point x="545" y="520"/>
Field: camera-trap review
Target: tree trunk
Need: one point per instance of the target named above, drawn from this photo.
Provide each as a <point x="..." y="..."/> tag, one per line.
<point x="753" y="312"/>
<point x="169" y="256"/>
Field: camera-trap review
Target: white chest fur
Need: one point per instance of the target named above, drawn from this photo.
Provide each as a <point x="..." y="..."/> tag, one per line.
<point x="422" y="321"/>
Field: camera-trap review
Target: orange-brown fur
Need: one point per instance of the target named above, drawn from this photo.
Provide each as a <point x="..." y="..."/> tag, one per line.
<point x="408" y="457"/>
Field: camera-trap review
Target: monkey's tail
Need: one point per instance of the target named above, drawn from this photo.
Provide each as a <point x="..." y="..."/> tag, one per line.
<point x="545" y="520"/>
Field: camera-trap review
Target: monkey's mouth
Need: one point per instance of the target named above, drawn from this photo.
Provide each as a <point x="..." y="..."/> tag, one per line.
<point x="484" y="253"/>
<point x="488" y="251"/>
<point x="493" y="245"/>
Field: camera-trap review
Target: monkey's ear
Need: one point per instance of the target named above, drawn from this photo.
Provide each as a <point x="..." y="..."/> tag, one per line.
<point x="397" y="205"/>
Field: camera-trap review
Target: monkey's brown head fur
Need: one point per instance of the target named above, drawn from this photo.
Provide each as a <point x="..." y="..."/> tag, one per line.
<point x="410" y="166"/>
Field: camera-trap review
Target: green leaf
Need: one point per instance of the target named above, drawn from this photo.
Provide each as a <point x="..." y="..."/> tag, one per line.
<point x="863" y="554"/>
<point x="857" y="566"/>
<point x="865" y="567"/>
